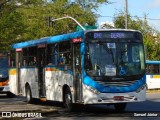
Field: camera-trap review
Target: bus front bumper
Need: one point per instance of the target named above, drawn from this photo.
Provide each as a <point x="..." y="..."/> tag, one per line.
<point x="90" y="97"/>
<point x="4" y="89"/>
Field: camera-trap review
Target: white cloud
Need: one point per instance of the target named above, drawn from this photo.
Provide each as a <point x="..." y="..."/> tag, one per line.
<point x="106" y="24"/>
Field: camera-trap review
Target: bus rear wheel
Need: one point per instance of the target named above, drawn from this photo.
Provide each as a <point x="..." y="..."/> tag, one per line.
<point x="120" y="106"/>
<point x="28" y="94"/>
<point x="68" y="100"/>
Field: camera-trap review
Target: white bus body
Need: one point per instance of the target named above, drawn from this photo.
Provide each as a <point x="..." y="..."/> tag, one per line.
<point x="153" y="74"/>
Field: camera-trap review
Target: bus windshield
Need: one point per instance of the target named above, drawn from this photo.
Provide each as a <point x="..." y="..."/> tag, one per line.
<point x="3" y="66"/>
<point x="114" y="59"/>
<point x="4" y="62"/>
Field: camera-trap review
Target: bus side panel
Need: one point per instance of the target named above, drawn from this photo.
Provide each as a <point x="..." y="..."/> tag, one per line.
<point x="55" y="80"/>
<point x="30" y="76"/>
<point x="65" y="78"/>
<point x="153" y="81"/>
<point x="13" y="82"/>
<point x="51" y="83"/>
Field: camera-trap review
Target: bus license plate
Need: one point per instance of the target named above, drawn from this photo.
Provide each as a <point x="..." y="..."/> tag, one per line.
<point x="119" y="98"/>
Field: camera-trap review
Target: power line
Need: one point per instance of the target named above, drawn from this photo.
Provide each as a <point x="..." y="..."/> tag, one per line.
<point x="146" y="18"/>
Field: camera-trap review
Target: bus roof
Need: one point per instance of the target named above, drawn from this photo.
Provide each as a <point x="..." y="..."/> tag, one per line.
<point x="47" y="40"/>
<point x="115" y="29"/>
<point x="152" y="62"/>
<point x="58" y="38"/>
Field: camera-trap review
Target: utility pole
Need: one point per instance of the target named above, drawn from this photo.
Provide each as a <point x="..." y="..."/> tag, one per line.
<point x="126" y="18"/>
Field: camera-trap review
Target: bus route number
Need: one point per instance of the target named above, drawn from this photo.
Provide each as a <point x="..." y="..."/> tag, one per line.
<point x="117" y="35"/>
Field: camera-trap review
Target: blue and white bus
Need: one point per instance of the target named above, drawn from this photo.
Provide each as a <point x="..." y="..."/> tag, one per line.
<point x="153" y="74"/>
<point x="4" y="76"/>
<point x="84" y="67"/>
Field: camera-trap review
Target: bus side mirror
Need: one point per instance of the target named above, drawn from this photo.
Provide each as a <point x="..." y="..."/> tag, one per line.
<point x="82" y="50"/>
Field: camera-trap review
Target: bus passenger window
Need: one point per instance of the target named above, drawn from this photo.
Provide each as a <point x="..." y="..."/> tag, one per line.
<point x="61" y="59"/>
<point x="12" y="62"/>
<point x="52" y="54"/>
<point x="34" y="62"/>
<point x="69" y="58"/>
<point x="65" y="53"/>
<point x="147" y="69"/>
<point x="24" y="63"/>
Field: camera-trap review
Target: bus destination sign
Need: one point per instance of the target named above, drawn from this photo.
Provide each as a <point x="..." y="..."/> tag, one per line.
<point x="113" y="35"/>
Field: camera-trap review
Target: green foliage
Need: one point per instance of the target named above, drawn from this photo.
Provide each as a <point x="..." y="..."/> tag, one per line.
<point x="22" y="20"/>
<point x="90" y="4"/>
<point x="11" y="28"/>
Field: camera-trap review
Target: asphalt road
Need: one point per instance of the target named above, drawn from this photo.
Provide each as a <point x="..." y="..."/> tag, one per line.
<point x="150" y="109"/>
<point x="152" y="104"/>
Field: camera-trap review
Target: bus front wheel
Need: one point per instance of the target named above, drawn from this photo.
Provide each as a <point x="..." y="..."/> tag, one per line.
<point x="10" y="95"/>
<point x="68" y="100"/>
<point x="28" y="94"/>
<point x="120" y="106"/>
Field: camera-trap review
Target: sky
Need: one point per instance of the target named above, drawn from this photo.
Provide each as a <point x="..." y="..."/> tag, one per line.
<point x="139" y="8"/>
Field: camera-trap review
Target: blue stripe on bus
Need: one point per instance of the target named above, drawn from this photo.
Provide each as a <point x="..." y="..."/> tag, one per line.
<point x="47" y="40"/>
<point x="113" y="89"/>
<point x="152" y="62"/>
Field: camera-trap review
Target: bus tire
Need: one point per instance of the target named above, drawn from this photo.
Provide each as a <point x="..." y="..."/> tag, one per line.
<point x="68" y="100"/>
<point x="28" y="94"/>
<point x="10" y="95"/>
<point x="120" y="106"/>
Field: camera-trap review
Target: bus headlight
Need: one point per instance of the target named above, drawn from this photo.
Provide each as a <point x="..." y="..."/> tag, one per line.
<point x="4" y="83"/>
<point x="141" y="88"/>
<point x="91" y="89"/>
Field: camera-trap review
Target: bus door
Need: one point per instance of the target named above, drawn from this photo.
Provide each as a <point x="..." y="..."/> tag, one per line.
<point x="18" y="65"/>
<point x="77" y="72"/>
<point x="41" y="68"/>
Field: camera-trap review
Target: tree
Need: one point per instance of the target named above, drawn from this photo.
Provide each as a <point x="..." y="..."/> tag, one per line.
<point x="22" y="20"/>
<point x="11" y="25"/>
